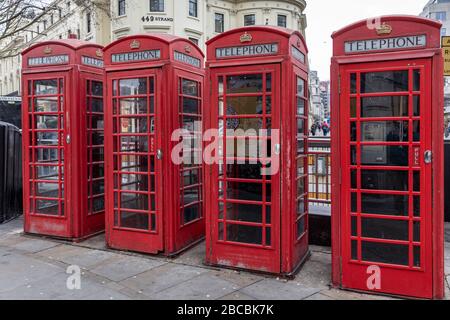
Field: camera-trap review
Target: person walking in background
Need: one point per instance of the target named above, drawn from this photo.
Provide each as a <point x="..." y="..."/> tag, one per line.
<point x="325" y="129"/>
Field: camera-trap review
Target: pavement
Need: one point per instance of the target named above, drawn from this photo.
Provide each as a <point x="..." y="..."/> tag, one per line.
<point x="35" y="268"/>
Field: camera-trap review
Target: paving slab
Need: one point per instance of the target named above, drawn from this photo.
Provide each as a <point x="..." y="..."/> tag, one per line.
<point x="314" y="275"/>
<point x="203" y="287"/>
<point x="96" y="242"/>
<point x="272" y="289"/>
<point x="86" y="258"/>
<point x="194" y="256"/>
<point x="34" y="245"/>
<point x="107" y="294"/>
<point x="238" y="278"/>
<point x="18" y="270"/>
<point x="349" y="295"/>
<point x="236" y="296"/>
<point x="121" y="268"/>
<point x="319" y="296"/>
<point x="161" y="278"/>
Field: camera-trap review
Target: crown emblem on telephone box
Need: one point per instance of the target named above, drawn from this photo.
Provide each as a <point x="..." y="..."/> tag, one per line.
<point x="246" y="37"/>
<point x="135" y="44"/>
<point x="99" y="53"/>
<point x="384" y="29"/>
<point x="47" y="50"/>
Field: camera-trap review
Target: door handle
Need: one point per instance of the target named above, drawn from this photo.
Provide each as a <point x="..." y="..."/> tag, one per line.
<point x="68" y="139"/>
<point x="428" y="157"/>
<point x="159" y="154"/>
<point x="277" y="149"/>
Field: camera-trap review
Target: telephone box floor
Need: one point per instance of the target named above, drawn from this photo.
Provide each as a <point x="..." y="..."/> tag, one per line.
<point x="34" y="268"/>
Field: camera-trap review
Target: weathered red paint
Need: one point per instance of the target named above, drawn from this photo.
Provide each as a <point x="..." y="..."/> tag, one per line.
<point x="279" y="250"/>
<point x="152" y="59"/>
<point x="424" y="278"/>
<point x="60" y="61"/>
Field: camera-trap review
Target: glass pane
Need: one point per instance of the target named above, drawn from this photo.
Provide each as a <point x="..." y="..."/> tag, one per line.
<point x="191" y="213"/>
<point x="392" y="131"/>
<point x="353" y="131"/>
<point x="269" y="82"/>
<point x="244" y="105"/>
<point x="354" y="250"/>
<point x="133" y="163"/>
<point x="191" y="106"/>
<point x="46" y="122"/>
<point x="133" y="144"/>
<point x="131" y="87"/>
<point x="416" y="131"/>
<point x="385" y="180"/>
<point x="385" y="253"/>
<point x="416" y="181"/>
<point x="354" y="179"/>
<point x="47" y="190"/>
<point x="249" y="83"/>
<point x="244" y="212"/>
<point x="133" y="125"/>
<point x="301" y="206"/>
<point x="134" y="220"/>
<point x="244" y="234"/>
<point x="383" y="204"/>
<point x="416" y="231"/>
<point x="387" y="81"/>
<point x="353" y="83"/>
<point x="97" y="105"/>
<point x="300" y="87"/>
<point x="354" y="202"/>
<point x="134" y="201"/>
<point x="300" y="107"/>
<point x="384" y="156"/>
<point x="416" y="257"/>
<point x="301" y="227"/>
<point x="134" y="182"/>
<point x="416" y="101"/>
<point x="48" y="207"/>
<point x="190" y="196"/>
<point x="49" y="104"/>
<point x="245" y="191"/>
<point x="47" y="139"/>
<point x="244" y="171"/>
<point x="44" y="87"/>
<point x="190" y="88"/>
<point x="416" y="80"/>
<point x="416" y="200"/>
<point x="396" y="106"/>
<point x="133" y="106"/>
<point x="353" y="106"/>
<point x="354" y="226"/>
<point x="385" y="229"/>
<point x="97" y="88"/>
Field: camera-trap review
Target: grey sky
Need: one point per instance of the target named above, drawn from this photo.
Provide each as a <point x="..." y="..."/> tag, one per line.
<point x="326" y="16"/>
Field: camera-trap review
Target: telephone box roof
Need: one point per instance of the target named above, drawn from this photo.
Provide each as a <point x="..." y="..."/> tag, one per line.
<point x="73" y="44"/>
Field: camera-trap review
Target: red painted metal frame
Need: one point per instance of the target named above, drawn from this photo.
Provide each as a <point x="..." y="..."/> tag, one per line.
<point x="286" y="252"/>
<point x="399" y="281"/>
<point x="171" y="235"/>
<point x="74" y="222"/>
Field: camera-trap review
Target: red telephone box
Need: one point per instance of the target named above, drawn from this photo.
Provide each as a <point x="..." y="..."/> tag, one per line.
<point x="387" y="157"/>
<point x="63" y="166"/>
<point x="256" y="207"/>
<point x="154" y="87"/>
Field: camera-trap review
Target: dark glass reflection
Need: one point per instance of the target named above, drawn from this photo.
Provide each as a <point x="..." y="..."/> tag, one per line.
<point x="245" y="191"/>
<point x="384" y="180"/>
<point x="385" y="253"/>
<point x="244" y="212"/>
<point x="244" y="234"/>
<point x="384" y="156"/>
<point x="384" y="204"/>
<point x="131" y="87"/>
<point x="134" y="220"/>
<point x="249" y="83"/>
<point x="386" y="81"/>
<point x="353" y="83"/>
<point x="385" y="229"/>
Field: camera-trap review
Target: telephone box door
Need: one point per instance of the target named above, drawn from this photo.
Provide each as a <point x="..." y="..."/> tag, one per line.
<point x="136" y="174"/>
<point x="47" y="124"/>
<point x="246" y="203"/>
<point x="387" y="177"/>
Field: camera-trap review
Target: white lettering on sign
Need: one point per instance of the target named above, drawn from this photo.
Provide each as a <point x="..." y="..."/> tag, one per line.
<point x="93" y="62"/>
<point x="386" y="44"/>
<point x="297" y="54"/>
<point x="40" y="61"/>
<point x="184" y="58"/>
<point x="251" y="50"/>
<point x="136" y="56"/>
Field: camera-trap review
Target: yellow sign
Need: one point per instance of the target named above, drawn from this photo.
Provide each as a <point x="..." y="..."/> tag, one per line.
<point x="446" y="52"/>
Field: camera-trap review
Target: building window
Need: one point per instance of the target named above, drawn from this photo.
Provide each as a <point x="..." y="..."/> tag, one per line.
<point x="441" y="16"/>
<point x="51" y="19"/>
<point x="157" y="5"/>
<point x="219" y="22"/>
<point x="443" y="32"/>
<point x="59" y="13"/>
<point x="88" y="22"/>
<point x="37" y="29"/>
<point x="282" y="21"/>
<point x="194" y="40"/>
<point x="249" y="20"/>
<point x="193" y="8"/>
<point x="121" y="6"/>
<point x="45" y="24"/>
